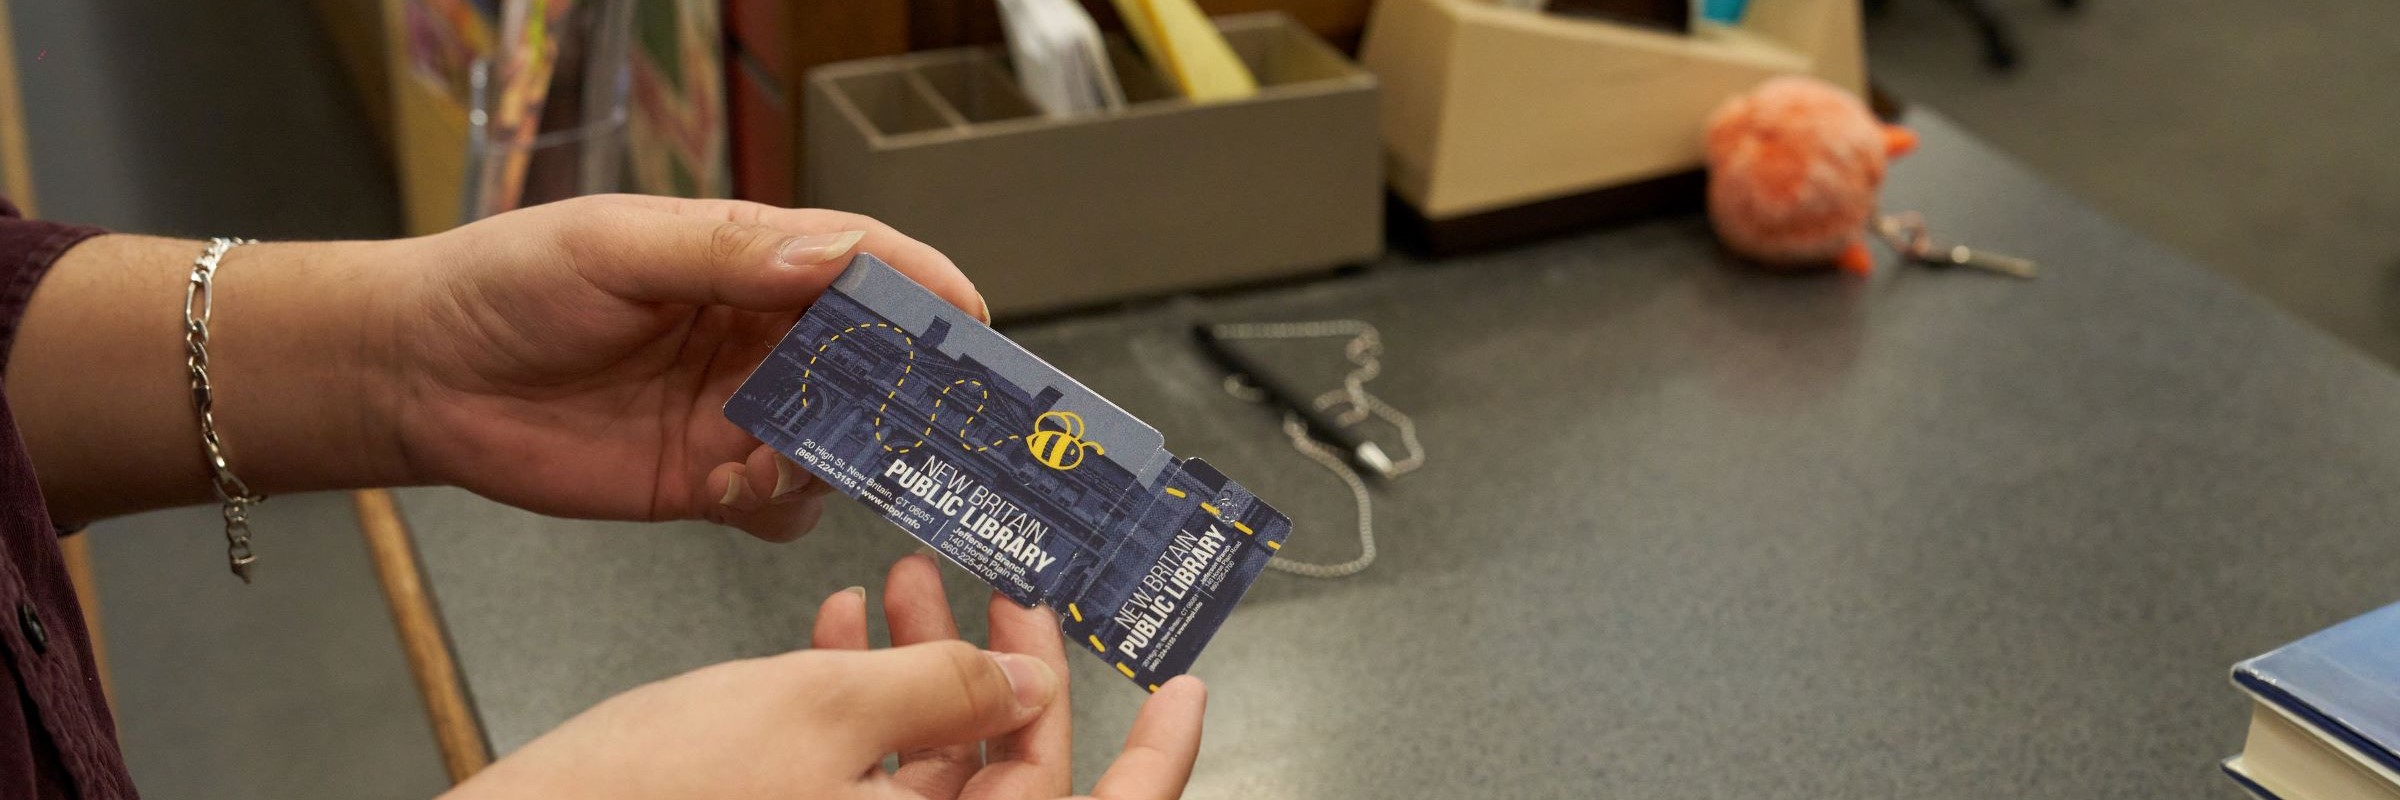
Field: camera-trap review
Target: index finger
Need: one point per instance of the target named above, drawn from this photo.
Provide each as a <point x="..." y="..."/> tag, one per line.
<point x="918" y="260"/>
<point x="841" y="621"/>
<point x="917" y="610"/>
<point x="925" y="695"/>
<point x="1158" y="754"/>
<point x="1036" y="760"/>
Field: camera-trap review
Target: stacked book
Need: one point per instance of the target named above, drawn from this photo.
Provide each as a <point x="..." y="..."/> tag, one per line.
<point x="2326" y="725"/>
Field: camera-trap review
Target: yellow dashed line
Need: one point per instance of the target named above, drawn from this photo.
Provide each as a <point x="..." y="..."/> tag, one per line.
<point x="1096" y="645"/>
<point x="1245" y="529"/>
<point x="1174" y="491"/>
<point x="907" y="341"/>
<point x="1274" y="545"/>
<point x="1125" y="669"/>
<point x="984" y="400"/>
<point x="1154" y="687"/>
<point x="1071" y="609"/>
<point x="910" y="342"/>
<point x="1212" y="510"/>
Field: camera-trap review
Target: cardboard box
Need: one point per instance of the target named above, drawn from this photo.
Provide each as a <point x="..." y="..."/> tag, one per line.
<point x="1165" y="195"/>
<point x="1487" y="108"/>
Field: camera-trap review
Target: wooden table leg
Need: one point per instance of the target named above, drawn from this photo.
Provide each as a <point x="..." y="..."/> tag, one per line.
<point x="422" y="638"/>
<point x="78" y="553"/>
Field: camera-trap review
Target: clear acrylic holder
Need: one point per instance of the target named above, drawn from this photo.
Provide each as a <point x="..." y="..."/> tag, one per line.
<point x="580" y="147"/>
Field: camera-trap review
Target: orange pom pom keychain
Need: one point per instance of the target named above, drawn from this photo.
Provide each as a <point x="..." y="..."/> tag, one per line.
<point x="1793" y="168"/>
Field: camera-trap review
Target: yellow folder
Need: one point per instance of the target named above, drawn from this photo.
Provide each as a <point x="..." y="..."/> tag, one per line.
<point x="1186" y="46"/>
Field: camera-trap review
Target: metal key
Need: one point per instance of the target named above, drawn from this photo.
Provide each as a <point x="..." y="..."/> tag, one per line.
<point x="1906" y="233"/>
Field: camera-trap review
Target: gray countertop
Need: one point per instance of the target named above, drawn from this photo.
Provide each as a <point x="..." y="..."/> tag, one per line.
<point x="1687" y="530"/>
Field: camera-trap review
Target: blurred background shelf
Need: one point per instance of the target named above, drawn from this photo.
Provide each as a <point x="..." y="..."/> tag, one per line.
<point x="770" y="47"/>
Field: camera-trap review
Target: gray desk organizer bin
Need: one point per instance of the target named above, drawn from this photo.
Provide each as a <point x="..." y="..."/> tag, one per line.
<point x="1165" y="195"/>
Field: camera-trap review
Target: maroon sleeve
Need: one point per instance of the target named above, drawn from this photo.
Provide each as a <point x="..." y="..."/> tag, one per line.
<point x="27" y="249"/>
<point x="56" y="737"/>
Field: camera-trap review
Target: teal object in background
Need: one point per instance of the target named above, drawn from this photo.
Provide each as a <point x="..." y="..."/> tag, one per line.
<point x="1724" y="11"/>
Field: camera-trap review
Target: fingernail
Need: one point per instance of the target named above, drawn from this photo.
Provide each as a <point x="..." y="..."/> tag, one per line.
<point x="736" y="487"/>
<point x="861" y="591"/>
<point x="787" y="480"/>
<point x="817" y="248"/>
<point x="1028" y="677"/>
<point x="984" y="309"/>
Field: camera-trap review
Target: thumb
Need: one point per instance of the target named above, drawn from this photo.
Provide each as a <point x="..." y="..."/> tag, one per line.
<point x="933" y="694"/>
<point x="656" y="257"/>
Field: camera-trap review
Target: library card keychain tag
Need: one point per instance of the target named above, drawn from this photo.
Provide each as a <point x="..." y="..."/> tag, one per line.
<point x="1010" y="469"/>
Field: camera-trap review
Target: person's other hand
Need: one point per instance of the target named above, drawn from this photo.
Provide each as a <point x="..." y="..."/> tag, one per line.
<point x="573" y="358"/>
<point x="1033" y="761"/>
<point x="819" y="723"/>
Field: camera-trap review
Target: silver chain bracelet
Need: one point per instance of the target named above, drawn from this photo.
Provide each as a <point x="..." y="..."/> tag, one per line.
<point x="199" y="301"/>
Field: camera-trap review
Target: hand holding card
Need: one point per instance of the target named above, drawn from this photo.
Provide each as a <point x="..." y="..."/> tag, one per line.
<point x="1011" y="469"/>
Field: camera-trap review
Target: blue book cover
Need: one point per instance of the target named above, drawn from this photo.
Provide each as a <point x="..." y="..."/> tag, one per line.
<point x="2233" y="769"/>
<point x="2344" y="681"/>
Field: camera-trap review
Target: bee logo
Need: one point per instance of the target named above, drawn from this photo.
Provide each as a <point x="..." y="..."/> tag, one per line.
<point x="1057" y="440"/>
